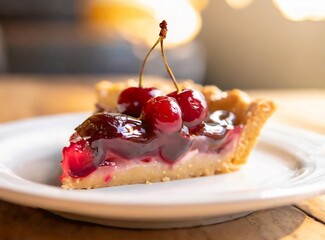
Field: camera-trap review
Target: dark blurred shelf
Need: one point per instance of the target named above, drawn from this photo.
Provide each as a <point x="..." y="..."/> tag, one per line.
<point x="39" y="9"/>
<point x="81" y="48"/>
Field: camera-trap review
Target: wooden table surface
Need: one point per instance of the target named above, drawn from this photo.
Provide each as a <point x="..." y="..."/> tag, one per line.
<point x="29" y="96"/>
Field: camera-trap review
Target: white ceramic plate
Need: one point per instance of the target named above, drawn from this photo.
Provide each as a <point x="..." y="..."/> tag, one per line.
<point x="287" y="165"/>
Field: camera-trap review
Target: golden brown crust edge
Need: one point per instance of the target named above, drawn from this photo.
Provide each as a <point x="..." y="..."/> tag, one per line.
<point x="252" y="114"/>
<point x="257" y="114"/>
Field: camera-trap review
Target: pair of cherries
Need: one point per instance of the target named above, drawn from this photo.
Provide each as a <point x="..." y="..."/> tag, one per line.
<point x="164" y="114"/>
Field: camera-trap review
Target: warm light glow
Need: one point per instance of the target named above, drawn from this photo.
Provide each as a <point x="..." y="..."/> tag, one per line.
<point x="184" y="21"/>
<point x="294" y="10"/>
<point x="302" y="10"/>
<point x="238" y="4"/>
<point x="138" y="20"/>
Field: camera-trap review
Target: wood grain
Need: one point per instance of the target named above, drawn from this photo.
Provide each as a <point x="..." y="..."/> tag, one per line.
<point x="314" y="207"/>
<point x="284" y="222"/>
<point x="22" y="96"/>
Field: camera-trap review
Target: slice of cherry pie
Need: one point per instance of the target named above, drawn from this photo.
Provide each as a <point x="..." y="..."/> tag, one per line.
<point x="153" y="133"/>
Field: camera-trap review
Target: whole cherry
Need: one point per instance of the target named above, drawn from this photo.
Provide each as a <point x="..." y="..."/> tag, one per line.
<point x="163" y="115"/>
<point x="132" y="100"/>
<point x="193" y="106"/>
<point x="191" y="102"/>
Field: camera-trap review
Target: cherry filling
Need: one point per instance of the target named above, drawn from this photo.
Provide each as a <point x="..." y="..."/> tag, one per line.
<point x="108" y="139"/>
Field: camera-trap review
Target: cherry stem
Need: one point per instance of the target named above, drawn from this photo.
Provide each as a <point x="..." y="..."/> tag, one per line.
<point x="162" y="36"/>
<point x="167" y="66"/>
<point x="145" y="60"/>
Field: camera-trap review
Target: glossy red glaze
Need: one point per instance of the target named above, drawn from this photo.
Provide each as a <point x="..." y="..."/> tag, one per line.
<point x="111" y="126"/>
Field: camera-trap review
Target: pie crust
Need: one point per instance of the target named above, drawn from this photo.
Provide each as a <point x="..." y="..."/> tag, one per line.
<point x="251" y="115"/>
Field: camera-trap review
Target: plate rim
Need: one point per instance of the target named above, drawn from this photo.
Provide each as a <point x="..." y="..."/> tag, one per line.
<point x="295" y="193"/>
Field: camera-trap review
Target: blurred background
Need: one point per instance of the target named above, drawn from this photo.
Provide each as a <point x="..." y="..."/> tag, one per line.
<point x="230" y="43"/>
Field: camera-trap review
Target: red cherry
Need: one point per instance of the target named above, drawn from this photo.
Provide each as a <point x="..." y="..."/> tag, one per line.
<point x="132" y="100"/>
<point x="163" y="115"/>
<point x="193" y="105"/>
<point x="78" y="159"/>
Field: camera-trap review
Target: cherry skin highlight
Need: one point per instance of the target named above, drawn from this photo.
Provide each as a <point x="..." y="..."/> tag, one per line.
<point x="132" y="100"/>
<point x="193" y="106"/>
<point x="110" y="126"/>
<point x="163" y="115"/>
